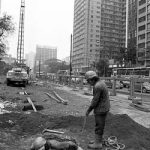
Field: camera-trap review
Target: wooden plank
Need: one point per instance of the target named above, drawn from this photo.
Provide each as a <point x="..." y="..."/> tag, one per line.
<point x="52" y="131"/>
<point x="61" y="99"/>
<point x="49" y="95"/>
<point x="30" y="102"/>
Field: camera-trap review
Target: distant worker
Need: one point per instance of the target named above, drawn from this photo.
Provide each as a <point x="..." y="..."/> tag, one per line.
<point x="100" y="104"/>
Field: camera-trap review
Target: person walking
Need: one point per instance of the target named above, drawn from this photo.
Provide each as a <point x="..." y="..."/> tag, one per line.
<point x="100" y="105"/>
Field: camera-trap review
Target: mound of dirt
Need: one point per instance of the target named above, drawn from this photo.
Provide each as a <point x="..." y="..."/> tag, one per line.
<point x="127" y="131"/>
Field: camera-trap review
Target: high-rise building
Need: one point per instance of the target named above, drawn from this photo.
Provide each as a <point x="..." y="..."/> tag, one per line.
<point x="0" y="6"/>
<point x="44" y="53"/>
<point x="132" y="30"/>
<point x="143" y="32"/>
<point x="132" y="22"/>
<point x="99" y="31"/>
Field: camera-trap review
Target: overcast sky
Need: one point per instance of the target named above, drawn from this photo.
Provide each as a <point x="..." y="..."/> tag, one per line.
<point x="47" y="22"/>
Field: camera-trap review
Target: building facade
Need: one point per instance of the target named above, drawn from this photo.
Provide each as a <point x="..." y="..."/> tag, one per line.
<point x="44" y="53"/>
<point x="143" y="32"/>
<point x="132" y="22"/>
<point x="99" y="31"/>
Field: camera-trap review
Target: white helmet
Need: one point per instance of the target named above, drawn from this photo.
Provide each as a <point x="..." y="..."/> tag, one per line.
<point x="90" y="74"/>
<point x="38" y="144"/>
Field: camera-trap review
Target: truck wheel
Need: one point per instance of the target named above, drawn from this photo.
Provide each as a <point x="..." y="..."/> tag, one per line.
<point x="8" y="83"/>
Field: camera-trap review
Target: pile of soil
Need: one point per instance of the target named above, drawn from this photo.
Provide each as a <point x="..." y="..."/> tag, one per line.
<point x="127" y="131"/>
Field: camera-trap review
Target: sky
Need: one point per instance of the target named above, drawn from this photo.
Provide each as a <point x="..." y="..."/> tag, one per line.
<point x="47" y="22"/>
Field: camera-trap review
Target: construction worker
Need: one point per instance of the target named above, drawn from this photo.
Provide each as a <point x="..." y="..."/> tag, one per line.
<point x="100" y="104"/>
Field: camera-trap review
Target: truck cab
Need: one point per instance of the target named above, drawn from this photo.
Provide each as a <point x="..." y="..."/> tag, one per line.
<point x="17" y="76"/>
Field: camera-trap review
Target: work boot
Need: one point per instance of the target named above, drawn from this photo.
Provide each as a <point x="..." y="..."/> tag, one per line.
<point x="97" y="144"/>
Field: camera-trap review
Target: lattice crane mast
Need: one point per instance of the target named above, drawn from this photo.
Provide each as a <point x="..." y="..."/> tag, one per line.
<point x="20" y="46"/>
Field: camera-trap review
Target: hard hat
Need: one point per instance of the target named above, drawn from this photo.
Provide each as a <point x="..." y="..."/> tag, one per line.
<point x="90" y="74"/>
<point x="38" y="144"/>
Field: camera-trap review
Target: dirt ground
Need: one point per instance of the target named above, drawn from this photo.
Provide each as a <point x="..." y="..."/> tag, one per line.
<point x="21" y="125"/>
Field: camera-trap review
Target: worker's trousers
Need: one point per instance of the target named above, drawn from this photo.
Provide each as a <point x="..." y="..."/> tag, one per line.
<point x="100" y="124"/>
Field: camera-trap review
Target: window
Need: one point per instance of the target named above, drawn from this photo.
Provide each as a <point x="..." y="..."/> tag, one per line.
<point x="148" y="36"/>
<point x="148" y="26"/>
<point x="148" y="17"/>
<point x="141" y="2"/>
<point x="141" y="28"/>
<point x="141" y="45"/>
<point x="141" y="37"/>
<point x="142" y="19"/>
<point x="148" y="44"/>
<point x="142" y="10"/>
<point x="148" y="8"/>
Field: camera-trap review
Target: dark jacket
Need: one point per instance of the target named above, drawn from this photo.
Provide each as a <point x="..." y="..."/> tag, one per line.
<point x="100" y="102"/>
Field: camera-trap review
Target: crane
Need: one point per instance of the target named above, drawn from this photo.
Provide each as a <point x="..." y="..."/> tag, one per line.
<point x="20" y="46"/>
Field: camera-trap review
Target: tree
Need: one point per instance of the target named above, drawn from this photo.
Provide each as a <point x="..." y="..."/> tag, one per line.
<point x="6" y="28"/>
<point x="123" y="56"/>
<point x="132" y="55"/>
<point x="4" y="68"/>
<point x="102" y="66"/>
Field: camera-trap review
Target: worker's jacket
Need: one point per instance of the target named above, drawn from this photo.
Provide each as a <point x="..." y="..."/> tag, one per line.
<point x="100" y="102"/>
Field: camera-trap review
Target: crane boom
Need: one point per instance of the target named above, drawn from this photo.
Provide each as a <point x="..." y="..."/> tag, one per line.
<point x="20" y="46"/>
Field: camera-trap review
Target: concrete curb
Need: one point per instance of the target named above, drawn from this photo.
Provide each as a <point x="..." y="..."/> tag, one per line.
<point x="140" y="107"/>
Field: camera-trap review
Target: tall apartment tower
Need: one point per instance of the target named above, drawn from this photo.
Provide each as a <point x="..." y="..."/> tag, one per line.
<point x="143" y="32"/>
<point x="99" y="31"/>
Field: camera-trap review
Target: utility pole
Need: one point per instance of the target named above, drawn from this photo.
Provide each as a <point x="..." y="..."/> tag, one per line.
<point x="39" y="67"/>
<point x="70" y="59"/>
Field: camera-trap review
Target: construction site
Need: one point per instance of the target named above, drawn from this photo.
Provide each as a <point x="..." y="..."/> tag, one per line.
<point x="51" y="109"/>
<point x="21" y="123"/>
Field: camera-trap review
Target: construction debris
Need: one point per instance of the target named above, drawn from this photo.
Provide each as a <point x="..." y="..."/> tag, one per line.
<point x="61" y="99"/>
<point x="52" y="131"/>
<point x="30" y="102"/>
<point x="49" y="95"/>
<point x="58" y="99"/>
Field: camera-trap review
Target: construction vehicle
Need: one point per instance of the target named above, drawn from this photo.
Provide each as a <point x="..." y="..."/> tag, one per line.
<point x="20" y="73"/>
<point x="17" y="76"/>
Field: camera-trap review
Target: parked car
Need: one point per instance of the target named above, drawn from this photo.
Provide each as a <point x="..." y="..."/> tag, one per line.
<point x="142" y="87"/>
<point x="109" y="84"/>
<point x="126" y="84"/>
<point x="119" y="85"/>
<point x="17" y="75"/>
<point x="78" y="80"/>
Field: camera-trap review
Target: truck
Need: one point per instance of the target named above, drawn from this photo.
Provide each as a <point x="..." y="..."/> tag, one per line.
<point x="17" y="76"/>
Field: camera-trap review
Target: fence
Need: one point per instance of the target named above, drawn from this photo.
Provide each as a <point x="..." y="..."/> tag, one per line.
<point x="79" y="82"/>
